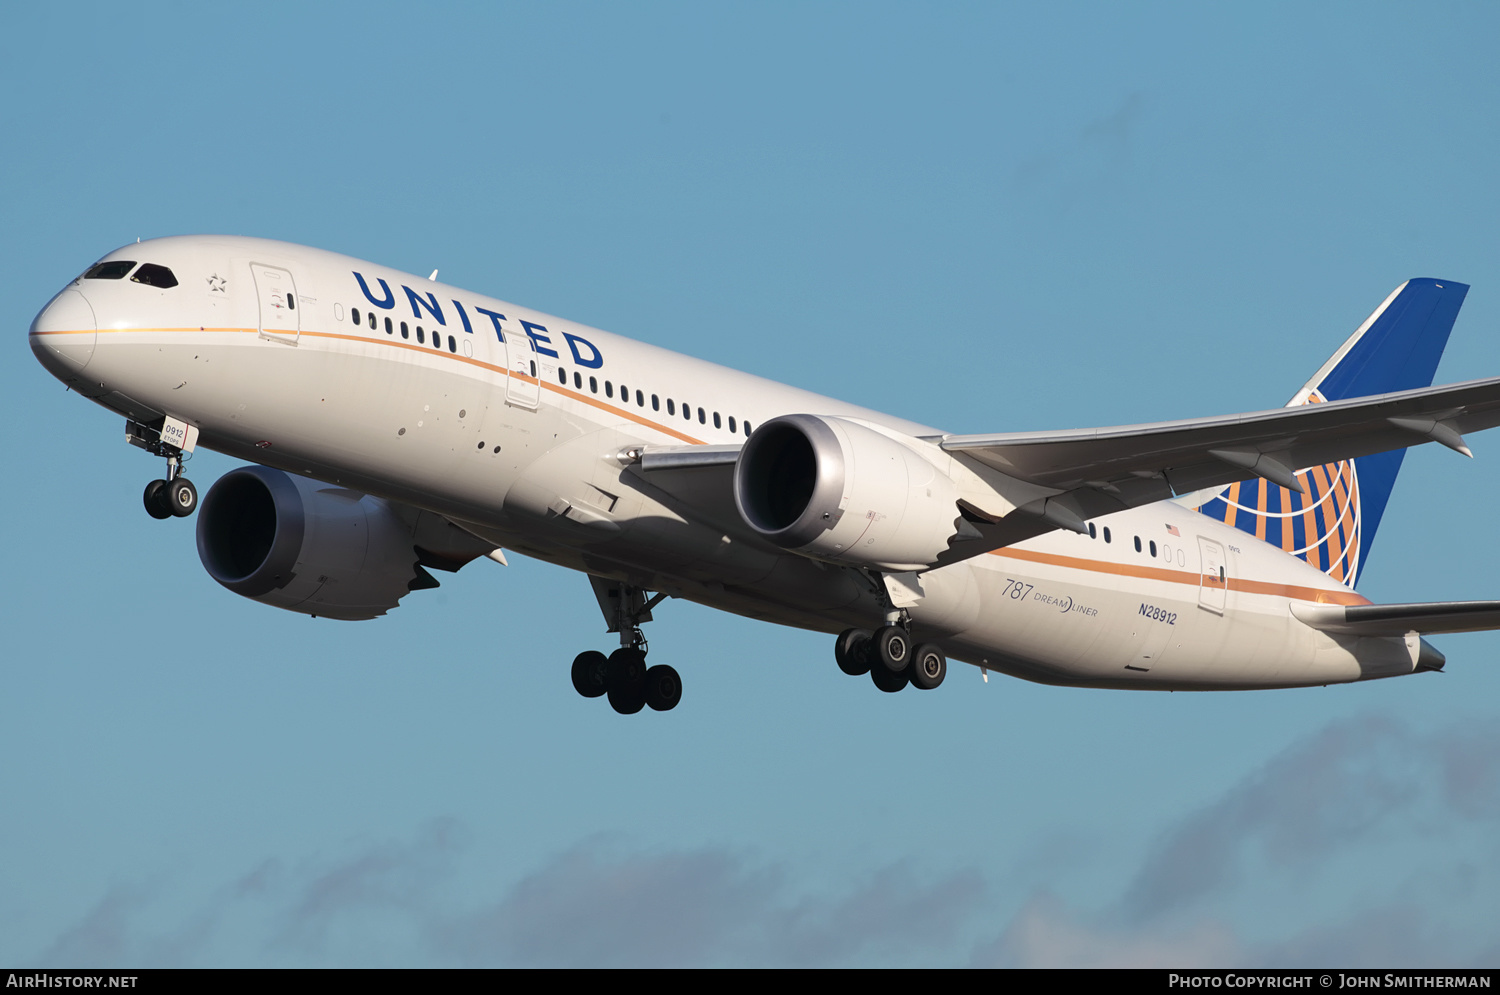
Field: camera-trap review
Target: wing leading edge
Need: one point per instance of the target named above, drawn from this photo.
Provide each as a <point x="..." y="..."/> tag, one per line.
<point x="1109" y="469"/>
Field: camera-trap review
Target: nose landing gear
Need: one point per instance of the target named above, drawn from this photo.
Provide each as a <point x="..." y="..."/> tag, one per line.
<point x="175" y="497"/>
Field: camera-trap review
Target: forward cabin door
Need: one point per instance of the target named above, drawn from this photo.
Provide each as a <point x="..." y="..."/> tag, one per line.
<point x="523" y="389"/>
<point x="280" y="317"/>
<point x="1214" y="580"/>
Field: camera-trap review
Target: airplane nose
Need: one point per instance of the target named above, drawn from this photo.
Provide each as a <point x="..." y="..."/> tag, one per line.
<point x="62" y="336"/>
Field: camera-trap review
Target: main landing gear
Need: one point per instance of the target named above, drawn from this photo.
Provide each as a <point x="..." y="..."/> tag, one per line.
<point x="623" y="675"/>
<point x="175" y="497"/>
<point x="888" y="655"/>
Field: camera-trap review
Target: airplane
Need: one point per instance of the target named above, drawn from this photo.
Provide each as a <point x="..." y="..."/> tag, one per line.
<point x="394" y="425"/>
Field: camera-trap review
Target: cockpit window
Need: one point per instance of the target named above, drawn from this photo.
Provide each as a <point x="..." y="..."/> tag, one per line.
<point x="115" y="269"/>
<point x="153" y="275"/>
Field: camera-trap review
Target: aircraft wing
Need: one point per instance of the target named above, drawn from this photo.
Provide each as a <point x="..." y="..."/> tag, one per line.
<point x="1192" y="454"/>
<point x="1397" y="620"/>
<point x="1061" y="479"/>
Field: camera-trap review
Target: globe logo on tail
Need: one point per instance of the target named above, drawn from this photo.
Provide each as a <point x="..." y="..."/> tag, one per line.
<point x="1321" y="527"/>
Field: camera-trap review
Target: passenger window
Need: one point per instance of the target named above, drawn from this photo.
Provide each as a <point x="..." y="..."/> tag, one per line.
<point x="1093" y="532"/>
<point x="291" y="299"/>
<point x="640" y="399"/>
<point x="1137" y="544"/>
<point x="609" y="389"/>
<point x="1153" y="549"/>
<point x="372" y="321"/>
<point x="354" y="313"/>
<point x="625" y="393"/>
<point x="421" y="336"/>
<point x="577" y="381"/>
<point x="747" y="430"/>
<point x="452" y="344"/>
<point x="1106" y="533"/>
<point x="388" y="328"/>
<point x="115" y="269"/>
<point x="731" y="424"/>
<point x="593" y="385"/>
<point x="716" y="420"/>
<point x="670" y="409"/>
<point x="655" y="403"/>
<point x="687" y="411"/>
<point x="562" y="376"/>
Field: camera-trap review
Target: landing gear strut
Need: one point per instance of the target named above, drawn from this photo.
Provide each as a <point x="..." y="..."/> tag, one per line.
<point x="623" y="675"/>
<point x="175" y="497"/>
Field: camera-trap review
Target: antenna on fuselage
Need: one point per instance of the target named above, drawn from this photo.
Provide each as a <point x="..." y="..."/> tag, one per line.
<point x="433" y="276"/>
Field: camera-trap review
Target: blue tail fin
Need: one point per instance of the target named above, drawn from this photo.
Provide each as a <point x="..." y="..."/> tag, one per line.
<point x="1397" y="348"/>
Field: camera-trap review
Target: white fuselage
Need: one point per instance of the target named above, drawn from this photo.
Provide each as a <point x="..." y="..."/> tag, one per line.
<point x="464" y="430"/>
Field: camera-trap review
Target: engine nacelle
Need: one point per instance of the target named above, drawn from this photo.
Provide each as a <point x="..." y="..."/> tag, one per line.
<point x="838" y="490"/>
<point x="308" y="547"/>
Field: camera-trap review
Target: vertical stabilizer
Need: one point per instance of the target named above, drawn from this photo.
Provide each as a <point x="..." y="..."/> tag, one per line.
<point x="1333" y="526"/>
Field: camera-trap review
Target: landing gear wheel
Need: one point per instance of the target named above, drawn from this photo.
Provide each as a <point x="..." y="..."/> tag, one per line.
<point x="893" y="647"/>
<point x="155" y="500"/>
<point x="591" y="673"/>
<point x="928" y="667"/>
<point x="627" y="701"/>
<point x="852" y="651"/>
<point x="888" y="681"/>
<point x="627" y="680"/>
<point x="663" y="688"/>
<point x="181" y="497"/>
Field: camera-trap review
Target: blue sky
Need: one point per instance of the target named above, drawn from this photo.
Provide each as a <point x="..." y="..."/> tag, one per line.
<point x="980" y="217"/>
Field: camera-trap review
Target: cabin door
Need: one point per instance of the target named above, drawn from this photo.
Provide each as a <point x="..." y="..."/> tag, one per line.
<point x="523" y="388"/>
<point x="276" y="293"/>
<point x="1213" y="581"/>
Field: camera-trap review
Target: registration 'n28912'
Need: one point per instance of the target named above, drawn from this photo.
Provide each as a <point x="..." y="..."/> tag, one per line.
<point x="1159" y="614"/>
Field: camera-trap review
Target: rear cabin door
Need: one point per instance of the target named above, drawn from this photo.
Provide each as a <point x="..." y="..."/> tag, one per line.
<point x="1214" y="580"/>
<point x="280" y="317"/>
<point x="522" y="387"/>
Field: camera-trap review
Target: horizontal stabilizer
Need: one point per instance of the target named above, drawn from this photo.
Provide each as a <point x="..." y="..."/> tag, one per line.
<point x="1397" y="620"/>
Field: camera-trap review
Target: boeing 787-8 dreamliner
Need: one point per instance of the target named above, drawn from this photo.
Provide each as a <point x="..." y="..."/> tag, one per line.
<point x="396" y="426"/>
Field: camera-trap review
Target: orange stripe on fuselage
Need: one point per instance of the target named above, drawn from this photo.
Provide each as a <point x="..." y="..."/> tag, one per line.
<point x="1295" y="591"/>
<point x="426" y="351"/>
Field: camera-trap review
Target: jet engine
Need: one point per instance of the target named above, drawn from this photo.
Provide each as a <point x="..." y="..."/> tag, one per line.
<point x="308" y="547"/>
<point x="838" y="490"/>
